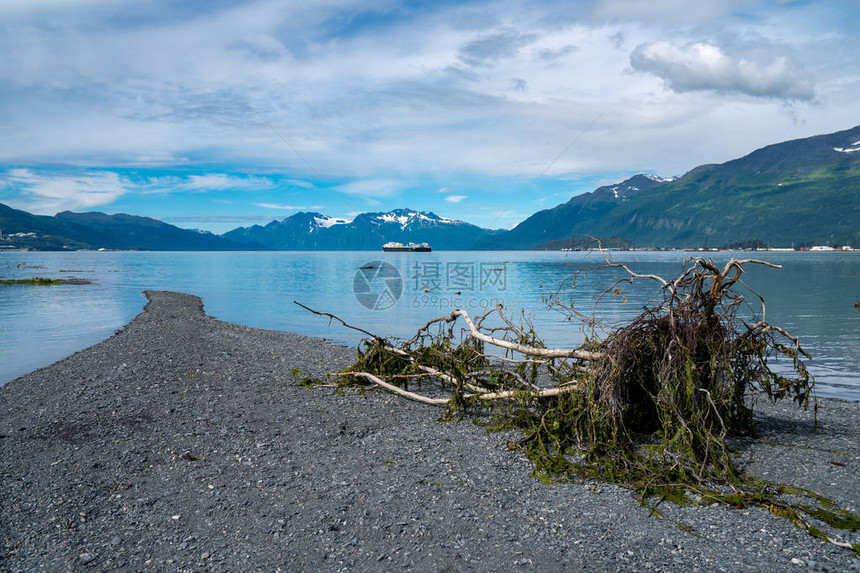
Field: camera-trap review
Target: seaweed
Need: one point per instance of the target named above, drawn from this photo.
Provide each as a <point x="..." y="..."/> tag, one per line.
<point x="42" y="281"/>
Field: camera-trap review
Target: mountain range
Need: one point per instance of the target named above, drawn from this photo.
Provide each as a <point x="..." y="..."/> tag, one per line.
<point x="805" y="191"/>
<point x="67" y="231"/>
<point x="792" y="193"/>
<point x="368" y="231"/>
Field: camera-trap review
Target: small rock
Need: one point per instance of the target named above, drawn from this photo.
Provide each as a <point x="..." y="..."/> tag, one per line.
<point x="796" y="561"/>
<point x="115" y="540"/>
<point x="86" y="558"/>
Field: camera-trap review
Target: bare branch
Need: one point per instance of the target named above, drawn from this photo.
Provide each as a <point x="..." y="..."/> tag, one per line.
<point x="513" y="360"/>
<point x="636" y="275"/>
<point x="577" y="353"/>
<point x="396" y="390"/>
<point x="340" y="320"/>
<point x="546" y="393"/>
<point x="507" y="395"/>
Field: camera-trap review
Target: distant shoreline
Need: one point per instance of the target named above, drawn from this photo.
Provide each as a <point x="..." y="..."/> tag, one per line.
<point x="608" y="249"/>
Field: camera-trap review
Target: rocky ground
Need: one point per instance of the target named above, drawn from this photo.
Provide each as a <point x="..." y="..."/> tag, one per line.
<point x="184" y="443"/>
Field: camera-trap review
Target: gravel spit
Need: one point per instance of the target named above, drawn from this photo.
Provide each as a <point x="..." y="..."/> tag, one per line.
<point x="184" y="443"/>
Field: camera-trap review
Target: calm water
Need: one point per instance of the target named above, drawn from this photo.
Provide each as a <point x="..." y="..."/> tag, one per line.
<point x="813" y="296"/>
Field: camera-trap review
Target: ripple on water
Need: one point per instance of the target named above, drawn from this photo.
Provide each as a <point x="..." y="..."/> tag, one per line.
<point x="39" y="325"/>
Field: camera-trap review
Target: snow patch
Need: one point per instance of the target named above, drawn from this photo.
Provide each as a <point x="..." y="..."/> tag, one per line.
<point x="848" y="149"/>
<point x="326" y="222"/>
<point x="658" y="178"/>
<point x="405" y="218"/>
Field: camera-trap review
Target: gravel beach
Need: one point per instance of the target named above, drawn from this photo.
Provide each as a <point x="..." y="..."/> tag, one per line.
<point x="184" y="443"/>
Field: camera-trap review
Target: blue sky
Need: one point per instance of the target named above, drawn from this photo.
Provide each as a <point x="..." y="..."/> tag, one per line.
<point x="220" y="114"/>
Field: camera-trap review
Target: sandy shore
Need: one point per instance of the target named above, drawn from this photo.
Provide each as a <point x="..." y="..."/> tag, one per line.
<point x="183" y="443"/>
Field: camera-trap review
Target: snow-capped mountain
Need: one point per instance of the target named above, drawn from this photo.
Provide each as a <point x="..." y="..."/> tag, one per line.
<point x="324" y="221"/>
<point x="625" y="189"/>
<point x="368" y="231"/>
<point x="407" y="220"/>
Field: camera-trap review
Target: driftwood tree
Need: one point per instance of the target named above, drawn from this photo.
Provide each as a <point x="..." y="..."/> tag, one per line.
<point x="649" y="405"/>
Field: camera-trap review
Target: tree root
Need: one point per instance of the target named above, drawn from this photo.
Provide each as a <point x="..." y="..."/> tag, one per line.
<point x="648" y="406"/>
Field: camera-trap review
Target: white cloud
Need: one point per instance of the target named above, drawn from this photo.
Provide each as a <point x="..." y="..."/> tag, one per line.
<point x="299" y="183"/>
<point x="490" y="48"/>
<point x="49" y="194"/>
<point x="703" y="66"/>
<point x="371" y="188"/>
<point x="222" y="181"/>
<point x="554" y="54"/>
<point x="455" y="198"/>
<point x="664" y="10"/>
<point x="369" y="93"/>
<point x="202" y="183"/>
<point x="242" y="219"/>
<point x="158" y="158"/>
<point x="280" y="206"/>
<point x="11" y="7"/>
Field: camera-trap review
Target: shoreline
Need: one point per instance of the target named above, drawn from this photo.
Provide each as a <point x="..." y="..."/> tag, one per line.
<point x="184" y="443"/>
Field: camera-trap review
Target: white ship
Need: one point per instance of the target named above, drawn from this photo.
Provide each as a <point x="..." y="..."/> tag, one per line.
<point x="409" y="247"/>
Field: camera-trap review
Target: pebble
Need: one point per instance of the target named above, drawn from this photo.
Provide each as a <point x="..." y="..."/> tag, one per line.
<point x="319" y="492"/>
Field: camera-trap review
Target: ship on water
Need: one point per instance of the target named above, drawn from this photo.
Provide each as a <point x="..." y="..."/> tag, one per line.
<point x="409" y="247"/>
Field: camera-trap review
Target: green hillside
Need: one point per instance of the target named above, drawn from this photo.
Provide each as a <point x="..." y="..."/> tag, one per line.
<point x="67" y="231"/>
<point x="805" y="191"/>
<point x="822" y="207"/>
<point x="45" y="233"/>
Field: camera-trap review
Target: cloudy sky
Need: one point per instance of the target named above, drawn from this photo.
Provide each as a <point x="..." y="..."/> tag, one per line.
<point x="215" y="114"/>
